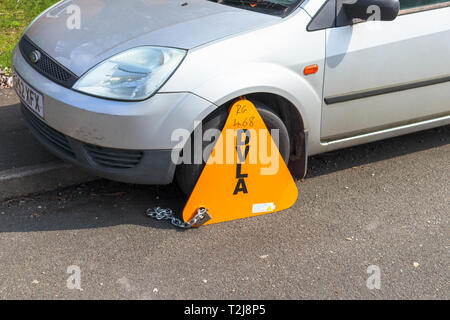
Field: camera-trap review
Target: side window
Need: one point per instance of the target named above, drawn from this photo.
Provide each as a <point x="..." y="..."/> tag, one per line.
<point x="410" y="4"/>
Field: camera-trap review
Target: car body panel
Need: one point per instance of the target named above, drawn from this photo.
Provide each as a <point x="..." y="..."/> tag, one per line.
<point x="108" y="27"/>
<point x="264" y="60"/>
<point x="312" y="6"/>
<point x="380" y="55"/>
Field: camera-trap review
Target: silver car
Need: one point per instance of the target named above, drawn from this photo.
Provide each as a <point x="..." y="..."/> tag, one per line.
<point x="105" y="83"/>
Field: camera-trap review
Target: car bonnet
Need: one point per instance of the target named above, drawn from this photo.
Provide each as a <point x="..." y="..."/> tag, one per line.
<point x="79" y="34"/>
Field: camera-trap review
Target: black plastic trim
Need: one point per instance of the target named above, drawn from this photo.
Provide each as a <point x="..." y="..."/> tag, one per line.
<point x="325" y="18"/>
<point x="386" y="90"/>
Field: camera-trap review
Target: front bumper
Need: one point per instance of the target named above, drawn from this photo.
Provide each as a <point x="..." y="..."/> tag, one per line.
<point x="131" y="166"/>
<point x="114" y="127"/>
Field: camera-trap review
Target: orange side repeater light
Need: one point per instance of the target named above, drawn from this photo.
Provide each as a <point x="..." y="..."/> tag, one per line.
<point x="311" y="69"/>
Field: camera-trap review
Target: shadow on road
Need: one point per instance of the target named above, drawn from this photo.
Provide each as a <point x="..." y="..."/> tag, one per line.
<point x="18" y="147"/>
<point x="97" y="204"/>
<point x="377" y="151"/>
<point x="102" y="203"/>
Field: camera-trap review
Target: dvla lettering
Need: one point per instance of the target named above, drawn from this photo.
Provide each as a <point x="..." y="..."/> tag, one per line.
<point x="241" y="185"/>
<point x="212" y="311"/>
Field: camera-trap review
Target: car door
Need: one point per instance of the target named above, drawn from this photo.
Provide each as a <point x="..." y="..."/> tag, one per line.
<point x="380" y="75"/>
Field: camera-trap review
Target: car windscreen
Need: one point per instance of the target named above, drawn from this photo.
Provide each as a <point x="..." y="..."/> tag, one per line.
<point x="274" y="7"/>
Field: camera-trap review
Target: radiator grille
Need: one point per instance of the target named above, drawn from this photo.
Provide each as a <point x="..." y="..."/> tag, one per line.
<point x="47" y="66"/>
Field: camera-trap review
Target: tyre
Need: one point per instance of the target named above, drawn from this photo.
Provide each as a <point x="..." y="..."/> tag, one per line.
<point x="187" y="175"/>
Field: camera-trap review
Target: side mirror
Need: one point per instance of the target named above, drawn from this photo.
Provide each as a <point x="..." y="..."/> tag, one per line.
<point x="371" y="10"/>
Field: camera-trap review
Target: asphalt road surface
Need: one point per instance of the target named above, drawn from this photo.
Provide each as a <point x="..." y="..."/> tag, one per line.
<point x="379" y="207"/>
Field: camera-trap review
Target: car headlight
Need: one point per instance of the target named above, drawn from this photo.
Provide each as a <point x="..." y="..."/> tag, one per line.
<point x="42" y="14"/>
<point x="135" y="74"/>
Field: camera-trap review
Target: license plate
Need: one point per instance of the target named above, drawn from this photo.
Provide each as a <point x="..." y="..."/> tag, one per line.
<point x="29" y="96"/>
